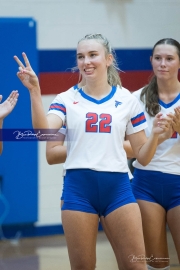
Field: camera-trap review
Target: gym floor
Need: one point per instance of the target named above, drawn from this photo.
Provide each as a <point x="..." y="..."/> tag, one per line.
<point x="50" y="253"/>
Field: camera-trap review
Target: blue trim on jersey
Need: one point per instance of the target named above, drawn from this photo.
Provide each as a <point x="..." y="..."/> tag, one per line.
<point x="75" y="87"/>
<point x="138" y="119"/>
<point x="168" y="105"/>
<point x="108" y="97"/>
<point x="58" y="107"/>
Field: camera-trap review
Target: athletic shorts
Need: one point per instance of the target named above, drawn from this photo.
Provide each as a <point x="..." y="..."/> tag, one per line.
<point x="96" y="192"/>
<point x="157" y="187"/>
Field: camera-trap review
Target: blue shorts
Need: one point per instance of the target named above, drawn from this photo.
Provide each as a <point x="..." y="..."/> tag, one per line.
<point x="157" y="187"/>
<point x="96" y="192"/>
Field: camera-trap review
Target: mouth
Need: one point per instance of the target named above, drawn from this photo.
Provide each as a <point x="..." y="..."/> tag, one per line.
<point x="163" y="71"/>
<point x="89" y="70"/>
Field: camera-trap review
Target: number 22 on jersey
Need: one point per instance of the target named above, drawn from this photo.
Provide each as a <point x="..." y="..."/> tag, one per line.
<point x="98" y="123"/>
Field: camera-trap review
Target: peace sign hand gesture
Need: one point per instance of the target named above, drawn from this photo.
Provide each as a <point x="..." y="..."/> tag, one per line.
<point x="26" y="74"/>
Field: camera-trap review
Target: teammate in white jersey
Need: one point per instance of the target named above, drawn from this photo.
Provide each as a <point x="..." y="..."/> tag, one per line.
<point x="97" y="184"/>
<point x="157" y="185"/>
<point x="5" y="109"/>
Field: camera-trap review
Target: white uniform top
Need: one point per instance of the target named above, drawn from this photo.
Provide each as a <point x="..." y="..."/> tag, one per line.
<point x="167" y="156"/>
<point x="63" y="131"/>
<point x="96" y="128"/>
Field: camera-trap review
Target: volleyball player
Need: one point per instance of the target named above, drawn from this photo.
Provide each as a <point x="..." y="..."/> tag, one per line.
<point x="157" y="185"/>
<point x="98" y="117"/>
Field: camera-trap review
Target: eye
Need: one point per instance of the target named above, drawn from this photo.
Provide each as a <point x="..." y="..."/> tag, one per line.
<point x="157" y="57"/>
<point x="169" y="58"/>
<point x="80" y="57"/>
<point x="92" y="54"/>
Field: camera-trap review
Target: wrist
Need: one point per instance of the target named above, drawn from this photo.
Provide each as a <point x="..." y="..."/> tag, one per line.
<point x="35" y="91"/>
<point x="155" y="135"/>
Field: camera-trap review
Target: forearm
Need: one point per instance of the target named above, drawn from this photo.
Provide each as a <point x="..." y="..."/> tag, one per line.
<point x="147" y="150"/>
<point x="56" y="155"/>
<point x="161" y="139"/>
<point x="39" y="119"/>
<point x="129" y="151"/>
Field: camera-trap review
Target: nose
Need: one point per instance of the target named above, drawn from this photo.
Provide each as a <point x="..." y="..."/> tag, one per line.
<point x="163" y="62"/>
<point x="87" y="60"/>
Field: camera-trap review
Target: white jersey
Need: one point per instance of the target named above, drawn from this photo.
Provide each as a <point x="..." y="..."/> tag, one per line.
<point x="63" y="131"/>
<point x="96" y="128"/>
<point x="167" y="156"/>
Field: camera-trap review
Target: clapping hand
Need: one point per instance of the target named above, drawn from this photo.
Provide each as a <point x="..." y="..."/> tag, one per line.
<point x="162" y="124"/>
<point x="8" y="105"/>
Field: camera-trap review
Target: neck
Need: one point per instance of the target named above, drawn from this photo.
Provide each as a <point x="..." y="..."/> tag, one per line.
<point x="169" y="87"/>
<point x="97" y="89"/>
<point x="168" y="90"/>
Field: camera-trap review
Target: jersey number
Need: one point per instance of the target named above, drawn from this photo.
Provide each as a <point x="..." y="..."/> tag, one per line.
<point x="103" y="126"/>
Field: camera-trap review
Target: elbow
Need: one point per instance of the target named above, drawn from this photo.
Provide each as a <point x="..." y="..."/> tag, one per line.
<point x="49" y="160"/>
<point x="143" y="162"/>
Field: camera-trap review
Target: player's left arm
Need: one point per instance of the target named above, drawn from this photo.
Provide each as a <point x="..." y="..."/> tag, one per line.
<point x="144" y="148"/>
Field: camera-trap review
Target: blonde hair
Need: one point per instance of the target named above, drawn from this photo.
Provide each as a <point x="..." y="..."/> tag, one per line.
<point x="112" y="70"/>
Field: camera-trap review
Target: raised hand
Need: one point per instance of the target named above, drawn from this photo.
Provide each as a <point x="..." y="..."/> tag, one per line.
<point x="8" y="105"/>
<point x="26" y="74"/>
<point x="176" y="120"/>
<point x="162" y="124"/>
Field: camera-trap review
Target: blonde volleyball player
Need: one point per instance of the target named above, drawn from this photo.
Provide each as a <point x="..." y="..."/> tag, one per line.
<point x="56" y="153"/>
<point x="157" y="185"/>
<point x="5" y="109"/>
<point x="98" y="117"/>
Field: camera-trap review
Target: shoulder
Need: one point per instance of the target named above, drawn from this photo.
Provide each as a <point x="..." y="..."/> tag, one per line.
<point x="123" y="90"/>
<point x="68" y="93"/>
<point x="137" y="93"/>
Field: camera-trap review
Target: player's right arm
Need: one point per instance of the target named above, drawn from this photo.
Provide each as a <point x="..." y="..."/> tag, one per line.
<point x="30" y="80"/>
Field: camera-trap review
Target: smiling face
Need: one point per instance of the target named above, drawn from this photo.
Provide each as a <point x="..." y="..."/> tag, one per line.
<point x="165" y="61"/>
<point x="92" y="59"/>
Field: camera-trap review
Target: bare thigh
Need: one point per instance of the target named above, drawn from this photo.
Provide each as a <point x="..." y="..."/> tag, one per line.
<point x="105" y="228"/>
<point x="173" y="220"/>
<point x="125" y="228"/>
<point x="155" y="235"/>
<point x="81" y="232"/>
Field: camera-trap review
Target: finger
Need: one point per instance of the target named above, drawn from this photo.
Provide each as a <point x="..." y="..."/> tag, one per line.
<point x="14" y="101"/>
<point x="177" y="111"/>
<point x="26" y="60"/>
<point x="13" y="97"/>
<point x="18" y="61"/>
<point x="158" y="116"/>
<point x="23" y="74"/>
